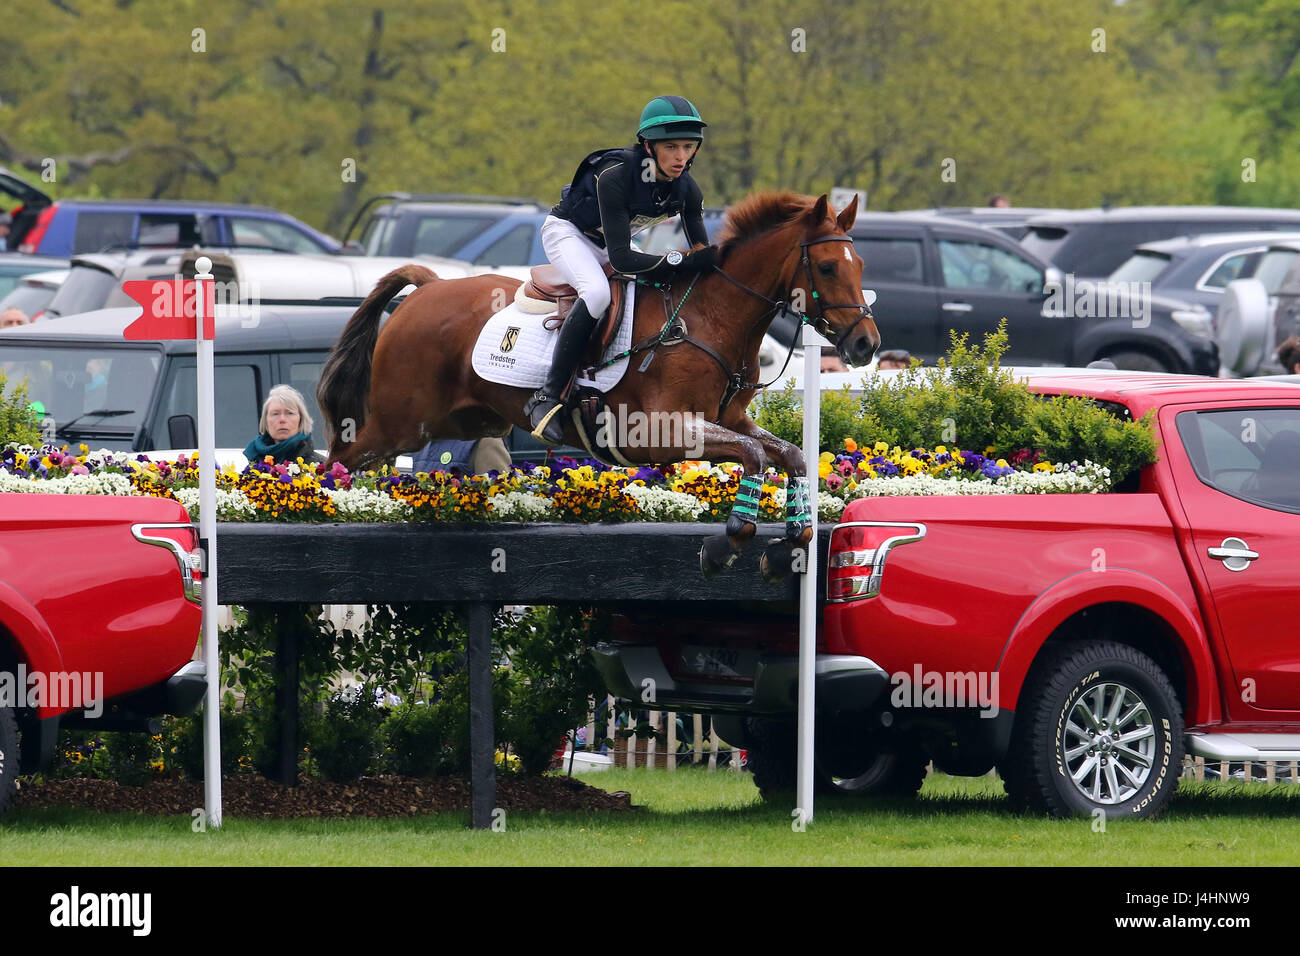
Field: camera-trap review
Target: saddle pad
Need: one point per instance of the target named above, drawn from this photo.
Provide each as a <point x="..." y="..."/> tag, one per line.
<point x="515" y="348"/>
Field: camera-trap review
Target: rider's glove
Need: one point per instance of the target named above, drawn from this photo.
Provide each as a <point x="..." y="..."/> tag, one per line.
<point x="701" y="260"/>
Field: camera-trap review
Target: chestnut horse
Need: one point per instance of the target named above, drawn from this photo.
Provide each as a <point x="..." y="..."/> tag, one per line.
<point x="413" y="382"/>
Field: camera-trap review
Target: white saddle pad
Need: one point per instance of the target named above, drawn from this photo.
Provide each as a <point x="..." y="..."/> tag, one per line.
<point x="514" y="348"/>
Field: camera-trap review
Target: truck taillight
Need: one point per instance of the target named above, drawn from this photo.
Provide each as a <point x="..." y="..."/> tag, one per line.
<point x="182" y="540"/>
<point x="857" y="556"/>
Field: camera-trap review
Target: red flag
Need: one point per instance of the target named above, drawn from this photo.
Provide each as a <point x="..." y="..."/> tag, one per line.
<point x="169" y="309"/>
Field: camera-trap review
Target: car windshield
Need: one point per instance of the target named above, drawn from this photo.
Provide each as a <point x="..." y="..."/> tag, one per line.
<point x="93" y="394"/>
<point x="1274" y="267"/>
<point x="1044" y="241"/>
<point x="28" y="299"/>
<point x="84" y="290"/>
<point x="1142" y="266"/>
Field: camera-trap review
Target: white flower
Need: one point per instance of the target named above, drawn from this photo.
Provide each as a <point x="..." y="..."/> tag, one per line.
<point x="660" y="504"/>
<point x="521" y="506"/>
<point x="363" y="504"/>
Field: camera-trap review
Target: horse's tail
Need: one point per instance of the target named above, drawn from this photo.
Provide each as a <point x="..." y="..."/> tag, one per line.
<point x="345" y="380"/>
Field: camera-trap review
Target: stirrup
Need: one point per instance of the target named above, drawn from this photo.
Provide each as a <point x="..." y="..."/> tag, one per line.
<point x="541" y="425"/>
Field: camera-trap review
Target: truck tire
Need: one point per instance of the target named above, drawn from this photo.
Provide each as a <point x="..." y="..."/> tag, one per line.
<point x="9" y="757"/>
<point x="872" y="769"/>
<point x="1099" y="728"/>
<point x="1134" y="361"/>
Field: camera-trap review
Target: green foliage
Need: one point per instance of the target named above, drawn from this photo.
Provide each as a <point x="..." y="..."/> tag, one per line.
<point x="183" y="742"/>
<point x="413" y="739"/>
<point x="969" y="401"/>
<point x="17" y="420"/>
<point x="344" y="740"/>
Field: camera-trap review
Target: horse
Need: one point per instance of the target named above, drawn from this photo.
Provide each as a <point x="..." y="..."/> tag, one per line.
<point x="392" y="391"/>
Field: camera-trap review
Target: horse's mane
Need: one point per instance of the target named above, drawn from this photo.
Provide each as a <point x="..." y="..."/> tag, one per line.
<point x="758" y="213"/>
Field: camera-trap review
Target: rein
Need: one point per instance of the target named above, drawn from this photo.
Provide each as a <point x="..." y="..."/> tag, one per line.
<point x="674" y="329"/>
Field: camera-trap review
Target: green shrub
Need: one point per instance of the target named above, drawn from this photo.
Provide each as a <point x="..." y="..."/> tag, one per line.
<point x="18" y="423"/>
<point x="413" y="738"/>
<point x="344" y="740"/>
<point x="183" y="742"/>
<point x="969" y="401"/>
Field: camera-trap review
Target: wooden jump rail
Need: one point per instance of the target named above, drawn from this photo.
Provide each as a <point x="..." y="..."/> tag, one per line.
<point x="477" y="566"/>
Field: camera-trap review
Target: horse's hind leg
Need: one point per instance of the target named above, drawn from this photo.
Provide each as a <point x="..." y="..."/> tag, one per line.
<point x="722" y="444"/>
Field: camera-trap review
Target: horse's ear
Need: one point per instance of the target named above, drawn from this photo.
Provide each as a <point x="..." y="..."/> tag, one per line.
<point x="820" y="210"/>
<point x="849" y="215"/>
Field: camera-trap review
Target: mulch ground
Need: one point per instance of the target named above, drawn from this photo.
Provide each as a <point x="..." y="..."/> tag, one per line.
<point x="252" y="796"/>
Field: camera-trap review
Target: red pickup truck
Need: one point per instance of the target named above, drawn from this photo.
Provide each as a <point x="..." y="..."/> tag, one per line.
<point x="99" y="618"/>
<point x="1081" y="644"/>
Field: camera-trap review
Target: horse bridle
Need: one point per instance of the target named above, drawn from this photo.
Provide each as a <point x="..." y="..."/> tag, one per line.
<point x="674" y="332"/>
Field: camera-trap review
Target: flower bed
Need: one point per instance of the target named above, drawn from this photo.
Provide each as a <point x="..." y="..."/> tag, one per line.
<point x="567" y="491"/>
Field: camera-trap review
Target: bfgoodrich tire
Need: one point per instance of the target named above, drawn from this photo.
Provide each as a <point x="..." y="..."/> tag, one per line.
<point x="1099" y="727"/>
<point x="9" y="757"/>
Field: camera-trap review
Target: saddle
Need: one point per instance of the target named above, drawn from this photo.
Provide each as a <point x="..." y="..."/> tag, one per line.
<point x="547" y="286"/>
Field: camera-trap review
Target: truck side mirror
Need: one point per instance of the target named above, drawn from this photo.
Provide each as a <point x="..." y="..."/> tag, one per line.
<point x="181" y="432"/>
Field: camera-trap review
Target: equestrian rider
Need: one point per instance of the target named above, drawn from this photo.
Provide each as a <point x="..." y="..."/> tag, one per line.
<point x="615" y="194"/>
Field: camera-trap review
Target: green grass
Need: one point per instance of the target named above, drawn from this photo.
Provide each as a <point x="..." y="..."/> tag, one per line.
<point x="696" y="818"/>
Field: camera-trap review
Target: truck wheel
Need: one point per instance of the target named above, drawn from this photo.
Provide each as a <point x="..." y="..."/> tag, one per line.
<point x="1099" y="727"/>
<point x="864" y="768"/>
<point x="772" y="749"/>
<point x="1138" y="362"/>
<point x="9" y="759"/>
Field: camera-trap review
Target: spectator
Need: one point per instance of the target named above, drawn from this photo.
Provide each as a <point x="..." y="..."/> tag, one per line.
<point x="1288" y="353"/>
<point x="999" y="201"/>
<point x="284" y="431"/>
<point x="894" y="358"/>
<point x="471" y="457"/>
<point x="831" y="361"/>
<point x="12" y="317"/>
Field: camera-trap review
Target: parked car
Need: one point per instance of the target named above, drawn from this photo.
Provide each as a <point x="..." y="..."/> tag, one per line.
<point x="1111" y="634"/>
<point x="1196" y="269"/>
<point x="1012" y="220"/>
<point x="1260" y="313"/>
<point x="107" y="392"/>
<point x="95" y="281"/>
<point x="484" y="230"/>
<point x="33" y="292"/>
<point x="113" y="632"/>
<point x="1093" y="243"/>
<point x="14" y="265"/>
<point x="68" y="227"/>
<point x="933" y="276"/>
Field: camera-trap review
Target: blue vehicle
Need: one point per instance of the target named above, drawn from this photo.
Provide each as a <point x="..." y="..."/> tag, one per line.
<point x="484" y="230"/>
<point x="69" y="227"/>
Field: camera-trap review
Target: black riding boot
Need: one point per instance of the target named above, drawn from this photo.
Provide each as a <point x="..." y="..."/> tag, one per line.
<point x="545" y="408"/>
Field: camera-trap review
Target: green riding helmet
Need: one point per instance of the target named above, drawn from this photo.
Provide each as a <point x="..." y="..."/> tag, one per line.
<point x="670" y="117"/>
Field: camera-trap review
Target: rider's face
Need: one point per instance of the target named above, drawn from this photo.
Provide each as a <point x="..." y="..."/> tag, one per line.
<point x="672" y="155"/>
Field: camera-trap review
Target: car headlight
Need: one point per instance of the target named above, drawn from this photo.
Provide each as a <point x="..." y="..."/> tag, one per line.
<point x="1196" y="321"/>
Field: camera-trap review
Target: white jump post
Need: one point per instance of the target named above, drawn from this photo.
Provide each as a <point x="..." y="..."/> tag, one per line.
<point x="812" y="408"/>
<point x="208" y="540"/>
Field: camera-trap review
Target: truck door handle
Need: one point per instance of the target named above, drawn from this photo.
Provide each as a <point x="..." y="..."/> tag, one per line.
<point x="1234" y="553"/>
<point x="957" y="307"/>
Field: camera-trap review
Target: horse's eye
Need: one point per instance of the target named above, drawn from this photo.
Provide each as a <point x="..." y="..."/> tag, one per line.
<point x="827" y="268"/>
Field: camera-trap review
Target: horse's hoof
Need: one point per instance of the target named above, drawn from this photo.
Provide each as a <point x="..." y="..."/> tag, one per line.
<point x="799" y="534"/>
<point x="777" y="563"/>
<point x="716" y="554"/>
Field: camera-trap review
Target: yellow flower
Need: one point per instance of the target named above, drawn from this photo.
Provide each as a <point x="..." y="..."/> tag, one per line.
<point x="880" y="448"/>
<point x="940" y="449"/>
<point x="1043" y="466"/>
<point x="1002" y="463"/>
<point x="826" y="457"/>
<point x="823" y="469"/>
<point x="989" y="451"/>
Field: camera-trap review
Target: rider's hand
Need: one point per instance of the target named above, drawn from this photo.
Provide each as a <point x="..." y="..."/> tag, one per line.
<point x="701" y="260"/>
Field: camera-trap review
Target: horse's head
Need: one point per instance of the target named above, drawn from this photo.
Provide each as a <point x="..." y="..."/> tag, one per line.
<point x="828" y="280"/>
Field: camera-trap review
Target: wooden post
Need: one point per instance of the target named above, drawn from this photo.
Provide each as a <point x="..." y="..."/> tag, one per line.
<point x="1200" y="768"/>
<point x="1246" y="770"/>
<point x="1270" y="771"/>
<point x="697" y="722"/>
<point x="591" y="728"/>
<point x="611" y="727"/>
<point x="482" y="742"/>
<point x="713" y="748"/>
<point x="1223" y="770"/>
<point x="631" y="740"/>
<point x="651" y="743"/>
<point x="290" y="623"/>
<point x="672" y="741"/>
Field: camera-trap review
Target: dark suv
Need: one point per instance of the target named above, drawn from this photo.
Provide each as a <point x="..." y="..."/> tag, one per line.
<point x="933" y="275"/>
<point x="484" y="230"/>
<point x="1093" y="243"/>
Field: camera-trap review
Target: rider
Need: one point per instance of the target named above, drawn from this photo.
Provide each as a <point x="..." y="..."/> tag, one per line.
<point x="615" y="194"/>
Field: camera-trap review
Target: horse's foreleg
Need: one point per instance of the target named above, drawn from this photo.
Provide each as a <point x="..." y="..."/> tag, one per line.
<point x="722" y="444"/>
<point x="785" y="555"/>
